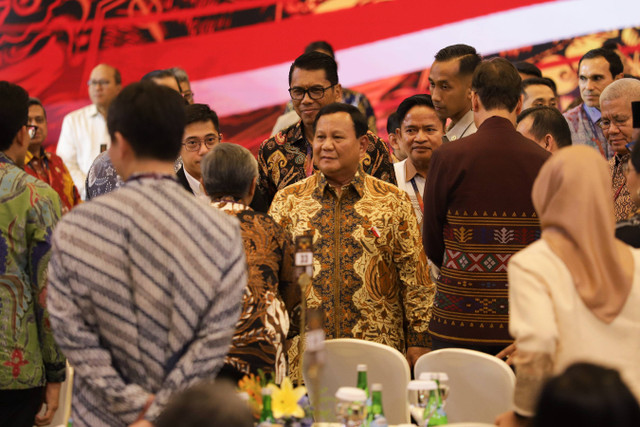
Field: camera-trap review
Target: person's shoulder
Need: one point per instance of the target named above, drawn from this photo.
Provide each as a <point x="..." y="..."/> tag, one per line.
<point x="572" y="112"/>
<point x="378" y="186"/>
<point x="280" y="138"/>
<point x="81" y="113"/>
<point x="297" y="190"/>
<point x="376" y="139"/>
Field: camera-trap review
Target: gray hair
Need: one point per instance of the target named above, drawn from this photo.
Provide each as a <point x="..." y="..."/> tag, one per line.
<point x="228" y="170"/>
<point x="180" y="74"/>
<point x="627" y="89"/>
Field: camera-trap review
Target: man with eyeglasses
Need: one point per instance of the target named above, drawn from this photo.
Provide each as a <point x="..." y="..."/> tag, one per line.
<point x="617" y="126"/>
<point x="597" y="69"/>
<point x="84" y="132"/>
<point x="200" y="135"/>
<point x="287" y="157"/>
<point x="44" y="165"/>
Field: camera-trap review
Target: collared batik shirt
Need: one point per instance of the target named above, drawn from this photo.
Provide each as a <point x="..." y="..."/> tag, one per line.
<point x="623" y="206"/>
<point x="50" y="168"/>
<point x="370" y="274"/>
<point x="270" y="295"/>
<point x="29" y="209"/>
<point x="287" y="158"/>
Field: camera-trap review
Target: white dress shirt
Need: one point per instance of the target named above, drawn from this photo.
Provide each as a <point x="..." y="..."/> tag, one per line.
<point x="83" y="133"/>
<point x="465" y="127"/>
<point x="196" y="187"/>
<point x="405" y="172"/>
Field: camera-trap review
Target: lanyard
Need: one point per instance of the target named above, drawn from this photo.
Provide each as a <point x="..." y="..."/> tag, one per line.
<point x="418" y="196"/>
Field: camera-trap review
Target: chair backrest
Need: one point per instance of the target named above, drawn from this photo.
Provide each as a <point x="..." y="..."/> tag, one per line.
<point x="480" y="386"/>
<point x="61" y="418"/>
<point x="385" y="365"/>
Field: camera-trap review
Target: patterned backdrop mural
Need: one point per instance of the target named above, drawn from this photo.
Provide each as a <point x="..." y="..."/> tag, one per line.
<point x="237" y="51"/>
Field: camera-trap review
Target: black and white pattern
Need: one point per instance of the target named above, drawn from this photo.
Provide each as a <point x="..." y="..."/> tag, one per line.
<point x="145" y="290"/>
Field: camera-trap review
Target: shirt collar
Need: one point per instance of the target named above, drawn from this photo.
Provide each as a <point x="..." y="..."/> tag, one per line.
<point x="593" y="113"/>
<point x="357" y="183"/>
<point x="5" y="159"/>
<point x="193" y="183"/>
<point x="93" y="110"/>
<point x="410" y="171"/>
<point x="30" y="156"/>
<point x="457" y="131"/>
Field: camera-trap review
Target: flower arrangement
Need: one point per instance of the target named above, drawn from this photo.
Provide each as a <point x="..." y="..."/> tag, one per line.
<point x="289" y="405"/>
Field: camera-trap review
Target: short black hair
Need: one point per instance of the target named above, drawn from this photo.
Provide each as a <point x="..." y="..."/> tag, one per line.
<point x="316" y="61"/>
<point x="36" y="101"/>
<point x="469" y="58"/>
<point x="410" y="102"/>
<point x="14" y="112"/>
<point x="615" y="63"/>
<point x="533" y="81"/>
<point x="151" y="117"/>
<point x="392" y="123"/>
<point x="587" y="395"/>
<point x="358" y="119"/>
<point x="528" y="68"/>
<point x="320" y="45"/>
<point x="548" y="120"/>
<point x="498" y="84"/>
<point x="160" y="74"/>
<point x="201" y="113"/>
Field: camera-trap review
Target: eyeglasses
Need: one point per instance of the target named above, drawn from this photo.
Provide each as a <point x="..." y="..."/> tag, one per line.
<point x="32" y="129"/>
<point x="605" y="124"/>
<point x="98" y="82"/>
<point x="194" y="143"/>
<point x="187" y="94"/>
<point x="315" y="92"/>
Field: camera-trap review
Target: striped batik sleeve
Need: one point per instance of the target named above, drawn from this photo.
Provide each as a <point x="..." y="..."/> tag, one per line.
<point x="205" y="356"/>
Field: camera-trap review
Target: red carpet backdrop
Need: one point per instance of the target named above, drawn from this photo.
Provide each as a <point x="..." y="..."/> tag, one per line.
<point x="237" y="52"/>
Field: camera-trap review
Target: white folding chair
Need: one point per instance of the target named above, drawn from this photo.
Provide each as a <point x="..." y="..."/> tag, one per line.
<point x="480" y="386"/>
<point x="385" y="365"/>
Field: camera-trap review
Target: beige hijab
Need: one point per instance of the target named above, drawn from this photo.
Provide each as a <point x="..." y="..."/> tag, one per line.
<point x="572" y="196"/>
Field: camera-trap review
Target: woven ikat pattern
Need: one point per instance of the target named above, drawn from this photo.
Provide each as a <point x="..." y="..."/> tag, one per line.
<point x="471" y="301"/>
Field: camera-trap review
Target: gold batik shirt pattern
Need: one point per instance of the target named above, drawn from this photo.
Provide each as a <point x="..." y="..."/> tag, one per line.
<point x="622" y="204"/>
<point x="371" y="277"/>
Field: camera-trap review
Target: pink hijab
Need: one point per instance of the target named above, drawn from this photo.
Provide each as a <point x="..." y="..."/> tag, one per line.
<point x="572" y="196"/>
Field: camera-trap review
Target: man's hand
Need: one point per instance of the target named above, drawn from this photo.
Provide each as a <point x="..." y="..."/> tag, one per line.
<point x="414" y="353"/>
<point x="51" y="400"/>
<point x="508" y="352"/>
<point x="141" y="423"/>
<point x="510" y="419"/>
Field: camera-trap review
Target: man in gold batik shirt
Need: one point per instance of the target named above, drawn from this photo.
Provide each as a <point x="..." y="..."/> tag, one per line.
<point x="371" y="277"/>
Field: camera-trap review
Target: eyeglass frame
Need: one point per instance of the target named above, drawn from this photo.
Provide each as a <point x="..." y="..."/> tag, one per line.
<point x="32" y="133"/>
<point x="617" y="122"/>
<point x="308" y="92"/>
<point x="201" y="140"/>
<point x="101" y="82"/>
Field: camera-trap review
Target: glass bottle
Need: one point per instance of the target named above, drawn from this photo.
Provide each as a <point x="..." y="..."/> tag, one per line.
<point x="375" y="416"/>
<point x="266" y="416"/>
<point x="363" y="383"/>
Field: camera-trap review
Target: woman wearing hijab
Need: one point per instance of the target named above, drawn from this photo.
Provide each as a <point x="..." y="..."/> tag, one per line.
<point x="574" y="294"/>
